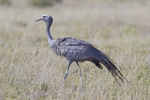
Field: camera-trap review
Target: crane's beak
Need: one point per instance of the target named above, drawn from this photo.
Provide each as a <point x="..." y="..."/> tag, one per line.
<point x="38" y="20"/>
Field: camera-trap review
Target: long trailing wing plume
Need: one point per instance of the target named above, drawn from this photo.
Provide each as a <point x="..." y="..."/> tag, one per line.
<point x="109" y="64"/>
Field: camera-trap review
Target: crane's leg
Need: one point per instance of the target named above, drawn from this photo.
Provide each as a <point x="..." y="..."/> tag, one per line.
<point x="80" y="74"/>
<point x="66" y="72"/>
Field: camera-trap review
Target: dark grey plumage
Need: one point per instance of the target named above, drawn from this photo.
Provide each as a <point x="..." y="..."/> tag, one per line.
<point x="79" y="51"/>
<point x="75" y="50"/>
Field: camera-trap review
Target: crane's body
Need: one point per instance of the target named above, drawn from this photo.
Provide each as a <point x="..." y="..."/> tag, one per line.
<point x="75" y="50"/>
<point x="72" y="49"/>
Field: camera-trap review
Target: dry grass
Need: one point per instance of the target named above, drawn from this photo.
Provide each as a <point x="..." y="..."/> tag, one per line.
<point x="29" y="69"/>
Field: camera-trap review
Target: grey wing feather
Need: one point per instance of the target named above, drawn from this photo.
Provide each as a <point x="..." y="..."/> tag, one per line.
<point x="109" y="64"/>
<point x="71" y="48"/>
<point x="69" y="41"/>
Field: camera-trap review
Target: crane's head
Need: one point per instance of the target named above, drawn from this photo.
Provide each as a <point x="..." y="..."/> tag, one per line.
<point x="47" y="18"/>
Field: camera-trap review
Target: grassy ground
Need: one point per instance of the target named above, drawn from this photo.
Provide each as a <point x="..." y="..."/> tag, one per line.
<point x="29" y="69"/>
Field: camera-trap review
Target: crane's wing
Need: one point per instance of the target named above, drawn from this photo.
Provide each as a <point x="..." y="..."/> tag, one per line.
<point x="79" y="50"/>
<point x="71" y="48"/>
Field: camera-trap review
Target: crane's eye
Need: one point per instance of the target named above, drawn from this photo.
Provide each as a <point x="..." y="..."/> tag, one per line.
<point x="43" y="16"/>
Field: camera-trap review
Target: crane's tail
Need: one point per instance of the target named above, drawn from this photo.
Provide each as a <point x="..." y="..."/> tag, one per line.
<point x="110" y="65"/>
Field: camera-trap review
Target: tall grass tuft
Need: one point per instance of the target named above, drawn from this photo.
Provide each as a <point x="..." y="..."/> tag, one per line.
<point x="43" y="3"/>
<point x="5" y="2"/>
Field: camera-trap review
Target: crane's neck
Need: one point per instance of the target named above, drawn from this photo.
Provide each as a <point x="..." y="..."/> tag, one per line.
<point x="49" y="37"/>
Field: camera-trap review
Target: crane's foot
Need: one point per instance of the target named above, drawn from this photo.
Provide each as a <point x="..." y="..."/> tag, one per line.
<point x="64" y="79"/>
<point x="80" y="74"/>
